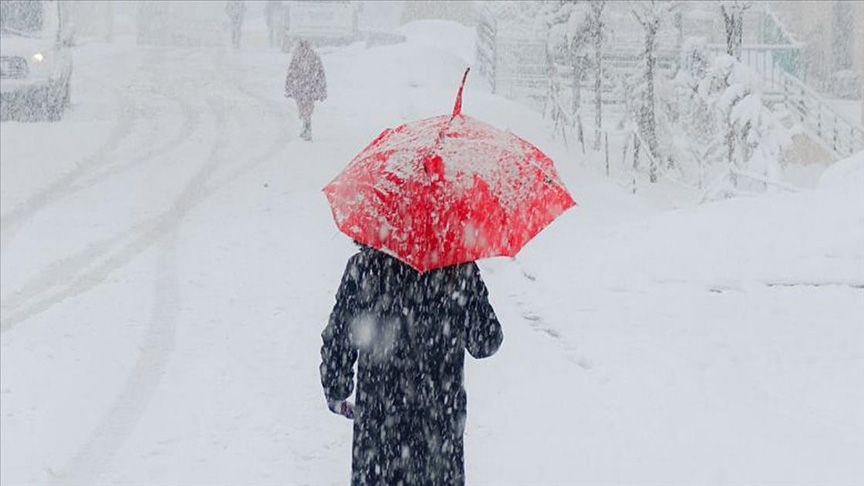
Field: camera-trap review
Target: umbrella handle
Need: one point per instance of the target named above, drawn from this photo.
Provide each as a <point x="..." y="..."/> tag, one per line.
<point x="457" y="108"/>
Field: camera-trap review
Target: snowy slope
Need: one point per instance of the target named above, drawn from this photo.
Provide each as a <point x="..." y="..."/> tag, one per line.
<point x="718" y="344"/>
<point x="168" y="264"/>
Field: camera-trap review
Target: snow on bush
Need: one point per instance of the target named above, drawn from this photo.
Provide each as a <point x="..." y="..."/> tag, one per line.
<point x="715" y="128"/>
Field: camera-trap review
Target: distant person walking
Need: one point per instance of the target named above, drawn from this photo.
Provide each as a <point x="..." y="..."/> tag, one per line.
<point x="306" y="83"/>
<point x="273" y="16"/>
<point x="235" y="9"/>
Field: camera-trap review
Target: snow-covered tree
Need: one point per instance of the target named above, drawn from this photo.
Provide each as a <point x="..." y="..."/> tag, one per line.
<point x="649" y="14"/>
<point x="596" y="30"/>
<point x="690" y="116"/>
<point x="755" y="136"/>
<point x="719" y="124"/>
<point x="580" y="29"/>
<point x="733" y="23"/>
<point x="569" y="43"/>
<point x="530" y="15"/>
<point x="568" y="40"/>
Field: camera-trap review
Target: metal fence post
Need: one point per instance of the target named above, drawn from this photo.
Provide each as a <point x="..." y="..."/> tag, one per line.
<point x="803" y="105"/>
<point x="835" y="133"/>
<point x="607" y="153"/>
<point x="819" y="120"/>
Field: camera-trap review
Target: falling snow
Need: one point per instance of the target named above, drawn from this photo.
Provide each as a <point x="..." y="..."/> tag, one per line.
<point x="181" y="303"/>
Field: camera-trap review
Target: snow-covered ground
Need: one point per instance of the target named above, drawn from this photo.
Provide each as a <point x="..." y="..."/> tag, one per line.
<point x="168" y="262"/>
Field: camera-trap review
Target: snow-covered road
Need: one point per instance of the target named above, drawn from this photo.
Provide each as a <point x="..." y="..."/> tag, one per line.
<point x="168" y="263"/>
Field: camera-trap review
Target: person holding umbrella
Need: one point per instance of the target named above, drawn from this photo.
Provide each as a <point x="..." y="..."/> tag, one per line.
<point x="410" y="331"/>
<point x="306" y="83"/>
<point x="424" y="201"/>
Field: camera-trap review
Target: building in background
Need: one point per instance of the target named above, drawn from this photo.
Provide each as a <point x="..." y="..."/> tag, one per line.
<point x="833" y="34"/>
<point x="92" y="20"/>
<point x="185" y="24"/>
<point x="457" y="11"/>
<point x="321" y="23"/>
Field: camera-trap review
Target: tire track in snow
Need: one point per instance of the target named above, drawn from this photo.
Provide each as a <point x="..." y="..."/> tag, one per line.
<point x="280" y="142"/>
<point x="142" y="236"/>
<point x="191" y="118"/>
<point x="117" y="425"/>
<point x="45" y="196"/>
<point x="64" y="267"/>
<point x="60" y="271"/>
<point x="77" y="180"/>
<point x="141" y="384"/>
<point x="67" y="267"/>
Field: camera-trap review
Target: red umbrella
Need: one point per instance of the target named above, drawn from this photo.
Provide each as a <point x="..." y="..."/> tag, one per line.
<point x="447" y="190"/>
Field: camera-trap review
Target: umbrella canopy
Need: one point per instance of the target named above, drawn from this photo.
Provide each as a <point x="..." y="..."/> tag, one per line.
<point x="447" y="190"/>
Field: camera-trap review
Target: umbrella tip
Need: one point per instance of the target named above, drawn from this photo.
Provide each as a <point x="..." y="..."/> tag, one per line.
<point x="457" y="109"/>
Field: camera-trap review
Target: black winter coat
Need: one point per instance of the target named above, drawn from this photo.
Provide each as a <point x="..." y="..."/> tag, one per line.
<point x="410" y="331"/>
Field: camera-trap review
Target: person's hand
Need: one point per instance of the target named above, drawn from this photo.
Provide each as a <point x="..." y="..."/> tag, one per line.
<point x="341" y="407"/>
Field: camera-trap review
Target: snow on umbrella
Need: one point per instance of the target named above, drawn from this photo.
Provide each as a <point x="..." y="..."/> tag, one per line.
<point x="447" y="190"/>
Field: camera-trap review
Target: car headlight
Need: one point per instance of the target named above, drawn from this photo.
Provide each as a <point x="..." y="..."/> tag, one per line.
<point x="38" y="57"/>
